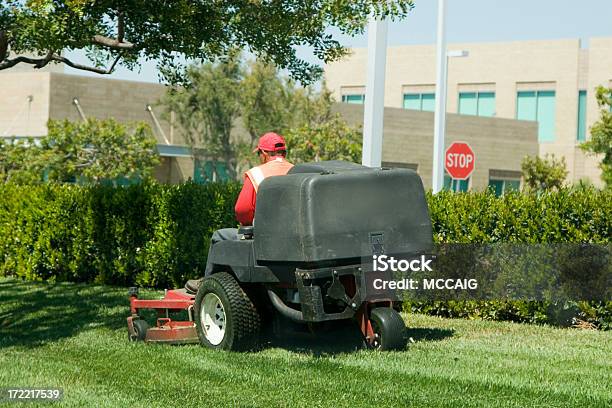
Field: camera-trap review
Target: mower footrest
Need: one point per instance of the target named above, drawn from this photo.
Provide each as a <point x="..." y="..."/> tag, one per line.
<point x="173" y="332"/>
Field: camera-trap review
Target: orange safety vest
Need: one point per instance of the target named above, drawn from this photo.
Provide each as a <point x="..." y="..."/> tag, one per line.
<point x="276" y="167"/>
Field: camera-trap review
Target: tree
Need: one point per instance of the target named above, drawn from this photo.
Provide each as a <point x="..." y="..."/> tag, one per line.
<point x="208" y="108"/>
<point x="93" y="150"/>
<point x="266" y="100"/>
<point x="274" y="103"/>
<point x="119" y="33"/>
<point x="330" y="140"/>
<point x="544" y="173"/>
<point x="18" y="162"/>
<point x="226" y="92"/>
<point x="601" y="134"/>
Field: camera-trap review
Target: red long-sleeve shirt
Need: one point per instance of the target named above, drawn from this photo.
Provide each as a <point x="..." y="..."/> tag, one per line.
<point x="245" y="205"/>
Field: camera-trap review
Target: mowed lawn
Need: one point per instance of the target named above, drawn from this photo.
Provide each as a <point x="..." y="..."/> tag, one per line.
<point x="74" y="337"/>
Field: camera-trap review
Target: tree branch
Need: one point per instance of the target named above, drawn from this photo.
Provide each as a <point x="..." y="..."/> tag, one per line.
<point x="83" y="165"/>
<point x="41" y="62"/>
<point x="44" y="61"/>
<point x="120" y="27"/>
<point x="97" y="70"/>
<point x="113" y="43"/>
<point x="12" y="62"/>
<point x="3" y="45"/>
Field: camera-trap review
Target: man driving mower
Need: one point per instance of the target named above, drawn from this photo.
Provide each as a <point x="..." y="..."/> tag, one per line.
<point x="307" y="262"/>
<point x="272" y="151"/>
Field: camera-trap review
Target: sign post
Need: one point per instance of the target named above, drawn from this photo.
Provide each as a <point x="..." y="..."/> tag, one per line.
<point x="375" y="93"/>
<point x="440" y="113"/>
<point x="459" y="160"/>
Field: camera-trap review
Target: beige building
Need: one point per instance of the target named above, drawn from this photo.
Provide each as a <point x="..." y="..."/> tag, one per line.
<point x="408" y="136"/>
<point x="549" y="82"/>
<point x="29" y="98"/>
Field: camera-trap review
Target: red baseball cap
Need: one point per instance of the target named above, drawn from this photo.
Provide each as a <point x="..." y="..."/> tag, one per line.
<point x="271" y="142"/>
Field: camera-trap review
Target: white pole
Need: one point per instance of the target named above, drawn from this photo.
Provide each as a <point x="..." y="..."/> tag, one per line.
<point x="440" y="114"/>
<point x="375" y="94"/>
<point x="76" y="103"/>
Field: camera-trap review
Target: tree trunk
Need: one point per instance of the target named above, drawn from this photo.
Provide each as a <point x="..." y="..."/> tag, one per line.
<point x="3" y="45"/>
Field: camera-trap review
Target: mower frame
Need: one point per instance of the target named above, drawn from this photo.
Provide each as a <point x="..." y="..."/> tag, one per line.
<point x="308" y="263"/>
<point x="167" y="330"/>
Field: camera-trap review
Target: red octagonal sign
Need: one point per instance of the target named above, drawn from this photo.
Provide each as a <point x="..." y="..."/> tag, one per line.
<point x="459" y="160"/>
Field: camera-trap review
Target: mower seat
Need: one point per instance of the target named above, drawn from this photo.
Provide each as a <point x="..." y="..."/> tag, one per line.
<point x="246" y="232"/>
<point x="193" y="285"/>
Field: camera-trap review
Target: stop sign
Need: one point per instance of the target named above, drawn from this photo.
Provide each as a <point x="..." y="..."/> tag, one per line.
<point x="459" y="160"/>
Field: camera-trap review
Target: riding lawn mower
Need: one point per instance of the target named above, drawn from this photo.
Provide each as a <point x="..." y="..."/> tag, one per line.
<point x="307" y="258"/>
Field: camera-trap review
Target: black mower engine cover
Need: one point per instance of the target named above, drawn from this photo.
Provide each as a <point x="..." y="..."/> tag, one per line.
<point x="333" y="211"/>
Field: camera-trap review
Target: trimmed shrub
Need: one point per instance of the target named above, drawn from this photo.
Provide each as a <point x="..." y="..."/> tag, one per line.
<point x="158" y="235"/>
<point x="148" y="234"/>
<point x="568" y="215"/>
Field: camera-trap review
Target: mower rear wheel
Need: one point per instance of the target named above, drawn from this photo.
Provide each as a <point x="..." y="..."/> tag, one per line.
<point x="140" y="329"/>
<point x="226" y="318"/>
<point x="389" y="329"/>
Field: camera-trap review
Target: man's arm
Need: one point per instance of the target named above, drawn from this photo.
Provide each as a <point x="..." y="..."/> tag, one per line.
<point x="245" y="205"/>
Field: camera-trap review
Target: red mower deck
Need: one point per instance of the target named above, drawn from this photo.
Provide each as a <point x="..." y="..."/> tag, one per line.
<point x="167" y="330"/>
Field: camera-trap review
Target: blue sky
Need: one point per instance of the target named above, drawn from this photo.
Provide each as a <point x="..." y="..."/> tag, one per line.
<point x="471" y="21"/>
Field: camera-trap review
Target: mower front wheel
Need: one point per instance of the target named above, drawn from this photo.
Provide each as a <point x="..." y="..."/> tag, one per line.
<point x="389" y="329"/>
<point x="225" y="316"/>
<point x="140" y="330"/>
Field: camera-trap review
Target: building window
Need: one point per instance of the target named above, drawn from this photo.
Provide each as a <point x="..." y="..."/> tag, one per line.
<point x="582" y="99"/>
<point x="538" y="106"/>
<point x="356" y="99"/>
<point x="477" y="103"/>
<point x="208" y="171"/>
<point x="502" y="181"/>
<point x="456" y="185"/>
<point x="420" y="101"/>
<point x="501" y="186"/>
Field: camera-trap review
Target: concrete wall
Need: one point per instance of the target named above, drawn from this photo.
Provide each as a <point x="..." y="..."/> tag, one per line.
<point x="24" y="103"/>
<point x="52" y="95"/>
<point x="499" y="144"/>
<point x="52" y="98"/>
<point x="174" y="170"/>
<point x="504" y="68"/>
<point x="108" y="98"/>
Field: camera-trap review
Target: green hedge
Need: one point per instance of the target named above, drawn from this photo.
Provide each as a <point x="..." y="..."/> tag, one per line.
<point x="569" y="215"/>
<point x="158" y="235"/>
<point x="149" y="234"/>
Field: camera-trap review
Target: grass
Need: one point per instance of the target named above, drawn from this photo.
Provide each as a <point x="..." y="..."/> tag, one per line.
<point x="74" y="337"/>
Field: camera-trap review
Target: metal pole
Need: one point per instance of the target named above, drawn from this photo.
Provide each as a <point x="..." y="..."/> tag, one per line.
<point x="172" y="127"/>
<point x="440" y="114"/>
<point x="79" y="109"/>
<point x="375" y="93"/>
<point x="149" y="109"/>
